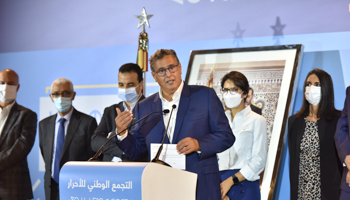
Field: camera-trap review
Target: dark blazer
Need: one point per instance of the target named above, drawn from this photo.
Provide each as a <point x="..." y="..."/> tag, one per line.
<point x="330" y="164"/>
<point x="77" y="143"/>
<point x="200" y="116"/>
<point x="256" y="109"/>
<point x="106" y="126"/>
<point x="16" y="141"/>
<point x="342" y="138"/>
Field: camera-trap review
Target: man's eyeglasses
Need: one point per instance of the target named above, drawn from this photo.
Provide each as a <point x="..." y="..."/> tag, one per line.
<point x="162" y="71"/>
<point x="230" y="90"/>
<point x="61" y="94"/>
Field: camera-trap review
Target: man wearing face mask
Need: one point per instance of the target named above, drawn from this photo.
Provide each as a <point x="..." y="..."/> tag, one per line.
<point x="130" y="85"/>
<point x="17" y="136"/>
<point x="65" y="136"/>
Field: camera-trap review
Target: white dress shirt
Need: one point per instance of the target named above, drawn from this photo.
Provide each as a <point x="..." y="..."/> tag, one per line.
<point x="249" y="151"/>
<point x="4" y="113"/>
<point x="168" y="105"/>
<point x="57" y="124"/>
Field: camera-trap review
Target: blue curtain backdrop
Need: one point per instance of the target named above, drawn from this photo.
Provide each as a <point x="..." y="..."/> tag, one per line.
<point x="87" y="41"/>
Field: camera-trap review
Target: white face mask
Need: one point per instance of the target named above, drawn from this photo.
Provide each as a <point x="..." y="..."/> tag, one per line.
<point x="128" y="94"/>
<point x="232" y="100"/>
<point x="313" y="94"/>
<point x="8" y="93"/>
<point x="62" y="104"/>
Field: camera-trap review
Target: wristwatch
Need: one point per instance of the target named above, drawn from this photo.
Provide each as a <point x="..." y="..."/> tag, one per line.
<point x="235" y="180"/>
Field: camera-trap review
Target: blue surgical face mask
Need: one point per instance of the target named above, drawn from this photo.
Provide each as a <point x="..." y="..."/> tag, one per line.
<point x="62" y="104"/>
<point x="128" y="94"/>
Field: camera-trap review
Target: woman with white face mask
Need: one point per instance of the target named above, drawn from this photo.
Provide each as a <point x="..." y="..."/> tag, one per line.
<point x="241" y="164"/>
<point x="315" y="170"/>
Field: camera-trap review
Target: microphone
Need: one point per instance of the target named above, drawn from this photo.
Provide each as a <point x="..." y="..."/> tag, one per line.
<point x="156" y="158"/>
<point x="99" y="152"/>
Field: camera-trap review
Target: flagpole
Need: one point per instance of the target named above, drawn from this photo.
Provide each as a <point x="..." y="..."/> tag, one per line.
<point x="142" y="53"/>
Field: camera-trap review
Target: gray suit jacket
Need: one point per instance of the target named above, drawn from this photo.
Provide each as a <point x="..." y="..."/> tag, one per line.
<point x="16" y="141"/>
<point x="77" y="143"/>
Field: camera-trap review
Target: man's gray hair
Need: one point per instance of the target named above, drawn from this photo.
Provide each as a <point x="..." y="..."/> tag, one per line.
<point x="159" y="54"/>
<point x="63" y="81"/>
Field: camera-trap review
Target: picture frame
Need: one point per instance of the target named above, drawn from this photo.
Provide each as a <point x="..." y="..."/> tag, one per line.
<point x="272" y="72"/>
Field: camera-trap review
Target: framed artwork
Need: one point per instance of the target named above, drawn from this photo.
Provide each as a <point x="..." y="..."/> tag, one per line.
<point x="272" y="72"/>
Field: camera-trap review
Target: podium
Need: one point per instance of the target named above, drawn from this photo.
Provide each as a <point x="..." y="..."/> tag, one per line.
<point x="125" y="181"/>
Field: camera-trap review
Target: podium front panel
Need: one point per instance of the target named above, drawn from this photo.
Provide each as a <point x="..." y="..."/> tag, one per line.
<point x="101" y="181"/>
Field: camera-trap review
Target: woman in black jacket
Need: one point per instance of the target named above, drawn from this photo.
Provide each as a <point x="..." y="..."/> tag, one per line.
<point x="315" y="170"/>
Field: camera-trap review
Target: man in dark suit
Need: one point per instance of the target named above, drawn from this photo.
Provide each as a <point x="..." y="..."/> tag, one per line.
<point x="130" y="86"/>
<point x="17" y="136"/>
<point x="249" y="102"/>
<point x="342" y="141"/>
<point x="198" y="125"/>
<point x="65" y="136"/>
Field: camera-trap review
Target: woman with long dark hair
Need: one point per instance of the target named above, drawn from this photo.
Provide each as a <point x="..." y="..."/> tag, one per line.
<point x="315" y="170"/>
<point x="241" y="164"/>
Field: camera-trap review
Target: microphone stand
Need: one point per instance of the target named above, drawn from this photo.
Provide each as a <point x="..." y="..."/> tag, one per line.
<point x="99" y="152"/>
<point x="156" y="158"/>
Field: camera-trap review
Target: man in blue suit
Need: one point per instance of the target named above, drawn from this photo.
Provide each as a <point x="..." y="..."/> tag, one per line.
<point x="198" y="124"/>
<point x="342" y="141"/>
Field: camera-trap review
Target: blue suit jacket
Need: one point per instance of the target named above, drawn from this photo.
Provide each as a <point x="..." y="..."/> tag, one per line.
<point x="200" y="116"/>
<point x="342" y="138"/>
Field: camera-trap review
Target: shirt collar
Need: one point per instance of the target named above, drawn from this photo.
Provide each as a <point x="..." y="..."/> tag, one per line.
<point x="7" y="108"/>
<point x="132" y="106"/>
<point x="67" y="116"/>
<point x="243" y="113"/>
<point x="176" y="94"/>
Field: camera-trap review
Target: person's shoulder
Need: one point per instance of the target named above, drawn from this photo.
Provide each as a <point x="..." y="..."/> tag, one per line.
<point x="47" y="119"/>
<point x="82" y="115"/>
<point x="292" y="118"/>
<point x="24" y="109"/>
<point x="257" y="116"/>
<point x="149" y="99"/>
<point x="114" y="106"/>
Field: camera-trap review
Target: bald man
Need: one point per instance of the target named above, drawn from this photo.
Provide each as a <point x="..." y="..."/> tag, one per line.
<point x="65" y="136"/>
<point x="17" y="136"/>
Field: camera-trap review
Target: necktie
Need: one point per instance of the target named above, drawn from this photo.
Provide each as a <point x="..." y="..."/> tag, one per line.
<point x="59" y="146"/>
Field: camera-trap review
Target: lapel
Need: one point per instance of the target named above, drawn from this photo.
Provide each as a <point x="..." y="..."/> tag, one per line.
<point x="322" y="129"/>
<point x="300" y="132"/>
<point x="159" y="127"/>
<point x="49" y="130"/>
<point x="183" y="105"/>
<point x="11" y="119"/>
<point x="71" y="130"/>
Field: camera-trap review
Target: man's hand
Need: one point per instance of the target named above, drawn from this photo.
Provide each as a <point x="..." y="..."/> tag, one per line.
<point x="347" y="162"/>
<point x="226" y="186"/>
<point x="226" y="198"/>
<point x="348" y="178"/>
<point x="187" y="146"/>
<point x="123" y="120"/>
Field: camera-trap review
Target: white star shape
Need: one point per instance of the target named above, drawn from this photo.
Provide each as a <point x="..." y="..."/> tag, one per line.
<point x="143" y="18"/>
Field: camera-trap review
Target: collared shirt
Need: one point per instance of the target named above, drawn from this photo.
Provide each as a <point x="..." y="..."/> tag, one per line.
<point x="249" y="151"/>
<point x="4" y="113"/>
<point x="57" y="124"/>
<point x="168" y="105"/>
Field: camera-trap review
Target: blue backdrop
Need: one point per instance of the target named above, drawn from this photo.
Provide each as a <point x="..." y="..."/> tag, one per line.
<point x="87" y="41"/>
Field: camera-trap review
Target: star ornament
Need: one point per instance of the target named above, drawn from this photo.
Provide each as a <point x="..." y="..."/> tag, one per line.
<point x="278" y="28"/>
<point x="143" y="18"/>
